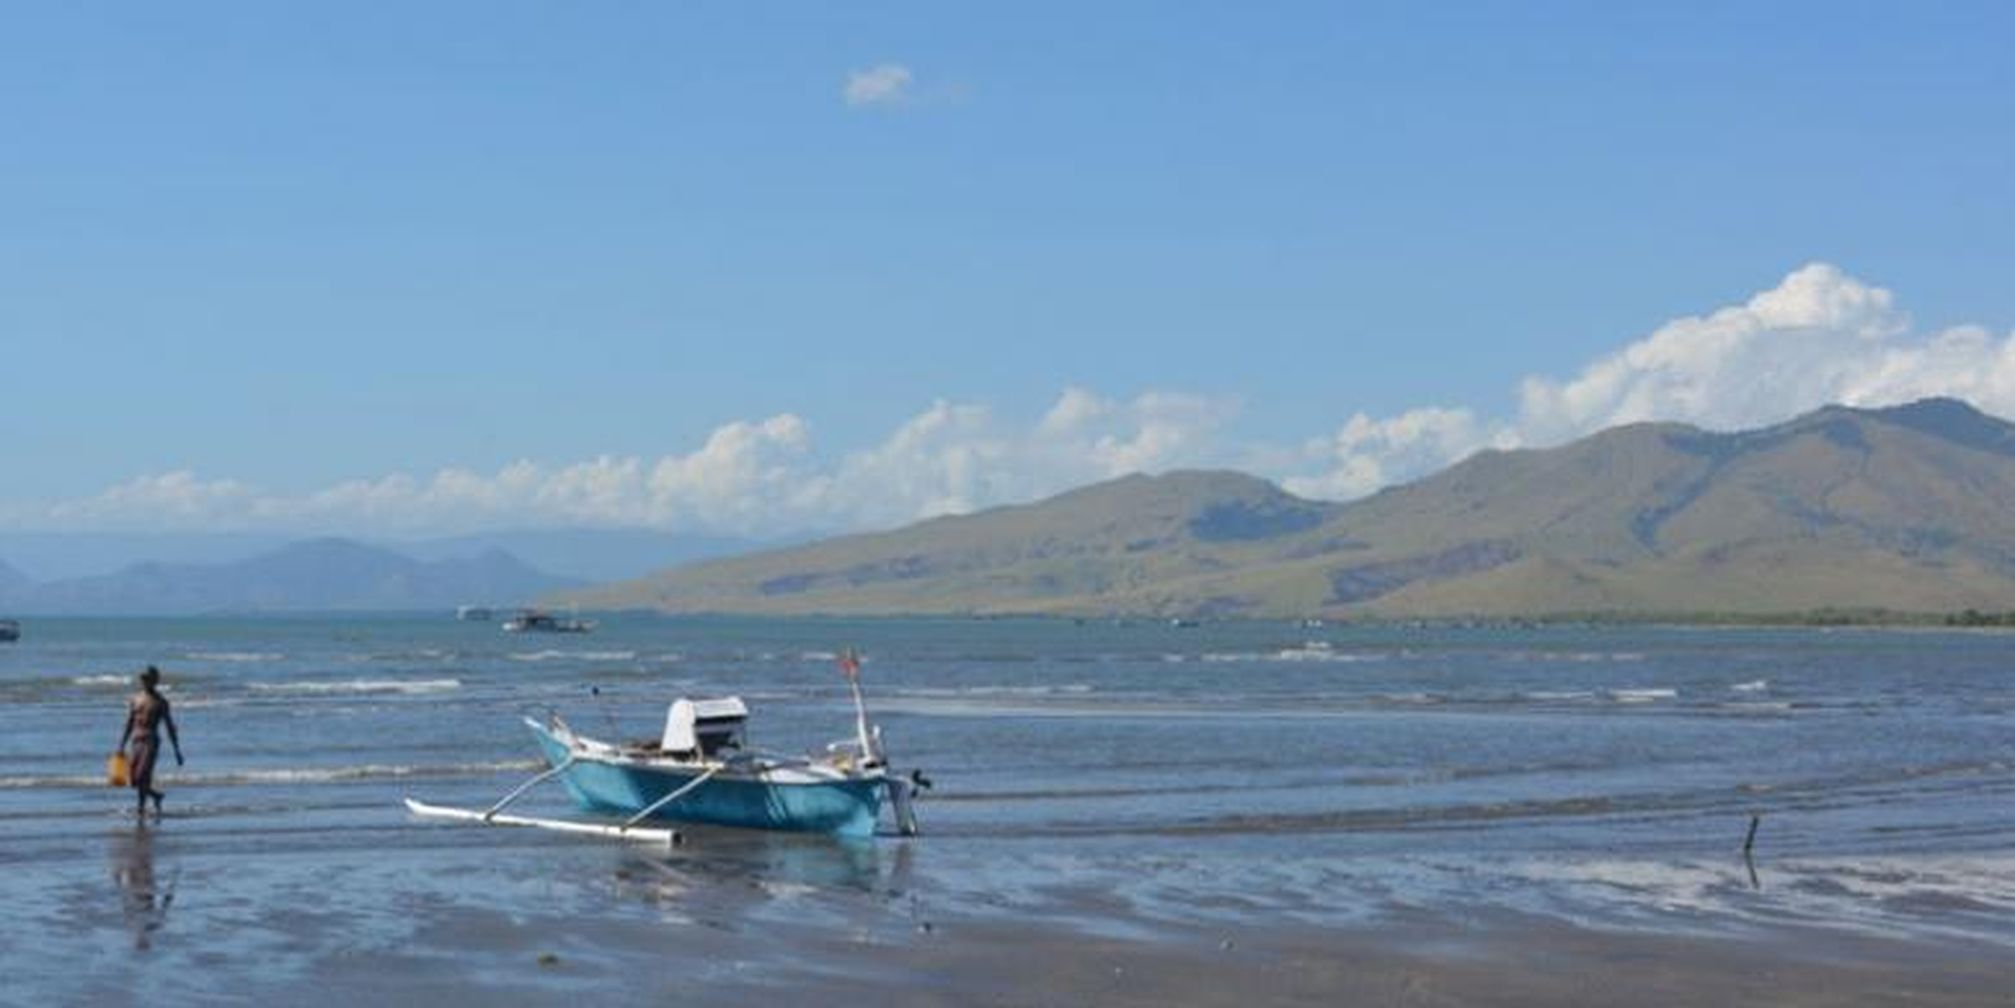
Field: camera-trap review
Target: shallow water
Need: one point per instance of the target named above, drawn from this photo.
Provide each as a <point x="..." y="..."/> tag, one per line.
<point x="1115" y="778"/>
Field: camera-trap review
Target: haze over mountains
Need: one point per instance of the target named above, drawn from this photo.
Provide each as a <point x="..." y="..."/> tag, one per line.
<point x="314" y="575"/>
<point x="1907" y="509"/>
<point x="587" y="554"/>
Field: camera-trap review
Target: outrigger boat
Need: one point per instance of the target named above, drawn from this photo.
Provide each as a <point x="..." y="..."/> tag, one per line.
<point x="700" y="770"/>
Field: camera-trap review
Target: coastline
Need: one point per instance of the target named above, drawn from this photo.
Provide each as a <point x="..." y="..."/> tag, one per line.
<point x="1813" y="619"/>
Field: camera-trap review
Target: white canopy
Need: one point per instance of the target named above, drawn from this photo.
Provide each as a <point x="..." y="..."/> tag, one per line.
<point x="688" y="720"/>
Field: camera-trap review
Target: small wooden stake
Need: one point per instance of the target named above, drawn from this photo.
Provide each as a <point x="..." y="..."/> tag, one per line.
<point x="1749" y="845"/>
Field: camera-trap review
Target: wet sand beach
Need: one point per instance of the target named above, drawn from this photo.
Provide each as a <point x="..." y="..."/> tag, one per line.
<point x="1503" y="962"/>
<point x="731" y="922"/>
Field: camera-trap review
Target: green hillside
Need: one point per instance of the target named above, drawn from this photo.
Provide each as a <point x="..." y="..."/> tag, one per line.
<point x="1909" y="509"/>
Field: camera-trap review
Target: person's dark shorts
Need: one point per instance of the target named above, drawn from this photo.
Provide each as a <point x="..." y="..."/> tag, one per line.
<point x="143" y="754"/>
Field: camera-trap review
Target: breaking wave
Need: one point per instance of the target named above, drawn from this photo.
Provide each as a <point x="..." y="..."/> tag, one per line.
<point x="1642" y="695"/>
<point x="1556" y="696"/>
<point x="1013" y="691"/>
<point x="361" y="686"/>
<point x="553" y="654"/>
<point x="1574" y="657"/>
<point x="235" y="656"/>
<point x="285" y="775"/>
<point x="417" y="654"/>
<point x="1313" y="651"/>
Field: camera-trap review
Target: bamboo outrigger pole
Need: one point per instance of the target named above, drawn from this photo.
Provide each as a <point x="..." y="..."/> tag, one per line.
<point x="680" y="792"/>
<point x="667" y="837"/>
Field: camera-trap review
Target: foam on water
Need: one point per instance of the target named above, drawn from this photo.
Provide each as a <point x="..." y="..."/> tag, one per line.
<point x="417" y="654"/>
<point x="1758" y="706"/>
<point x="556" y="654"/>
<point x="1414" y="697"/>
<point x="1008" y="691"/>
<point x="1313" y="651"/>
<point x="1576" y="657"/>
<point x="1897" y="895"/>
<point x="410" y="686"/>
<point x="280" y="775"/>
<point x="1551" y="696"/>
<point x="1645" y="695"/>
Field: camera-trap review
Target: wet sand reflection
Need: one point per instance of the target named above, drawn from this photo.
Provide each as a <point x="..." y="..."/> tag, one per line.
<point x="143" y="902"/>
<point x="728" y="877"/>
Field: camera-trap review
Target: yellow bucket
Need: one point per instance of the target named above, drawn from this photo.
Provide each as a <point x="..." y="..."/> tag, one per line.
<point x="118" y="770"/>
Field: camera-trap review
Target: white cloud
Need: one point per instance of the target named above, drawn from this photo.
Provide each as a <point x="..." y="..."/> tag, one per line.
<point x="954" y="458"/>
<point x="1818" y="336"/>
<point x="746" y="476"/>
<point x="1366" y="454"/>
<point x="884" y="84"/>
<point x="172" y="499"/>
<point x="757" y="478"/>
<point x="1810" y="340"/>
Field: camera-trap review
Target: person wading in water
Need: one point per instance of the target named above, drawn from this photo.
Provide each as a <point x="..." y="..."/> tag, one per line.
<point x="146" y="714"/>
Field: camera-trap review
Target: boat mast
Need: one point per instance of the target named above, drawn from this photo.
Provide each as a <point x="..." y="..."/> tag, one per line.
<point x="850" y="664"/>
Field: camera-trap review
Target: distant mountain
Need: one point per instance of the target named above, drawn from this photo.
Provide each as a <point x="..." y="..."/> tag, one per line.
<point x="60" y="556"/>
<point x="585" y="554"/>
<point x="320" y="574"/>
<point x="1083" y="549"/>
<point x="1910" y="508"/>
<point x="591" y="555"/>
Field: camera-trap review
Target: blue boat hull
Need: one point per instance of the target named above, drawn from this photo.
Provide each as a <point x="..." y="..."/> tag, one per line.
<point x="843" y="807"/>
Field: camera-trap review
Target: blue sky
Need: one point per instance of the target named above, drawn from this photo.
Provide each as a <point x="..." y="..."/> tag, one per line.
<point x="268" y="266"/>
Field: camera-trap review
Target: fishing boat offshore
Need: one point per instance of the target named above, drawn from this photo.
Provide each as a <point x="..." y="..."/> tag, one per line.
<point x="539" y="621"/>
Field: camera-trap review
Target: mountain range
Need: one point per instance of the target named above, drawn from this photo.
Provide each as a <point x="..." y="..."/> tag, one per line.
<point x="584" y="554"/>
<point x="317" y="574"/>
<point x="1905" y="509"/>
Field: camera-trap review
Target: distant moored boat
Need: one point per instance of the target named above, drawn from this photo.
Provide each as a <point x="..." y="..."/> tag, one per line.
<point x="473" y="612"/>
<point x="10" y="630"/>
<point x="535" y="621"/>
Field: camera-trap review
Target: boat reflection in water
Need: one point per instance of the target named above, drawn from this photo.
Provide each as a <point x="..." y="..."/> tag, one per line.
<point x="724" y="877"/>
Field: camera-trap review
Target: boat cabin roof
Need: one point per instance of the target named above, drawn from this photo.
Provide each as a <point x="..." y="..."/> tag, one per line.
<point x="704" y="726"/>
<point x="716" y="709"/>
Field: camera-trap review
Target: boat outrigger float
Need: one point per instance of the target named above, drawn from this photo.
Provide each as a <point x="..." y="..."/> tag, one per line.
<point x="701" y="770"/>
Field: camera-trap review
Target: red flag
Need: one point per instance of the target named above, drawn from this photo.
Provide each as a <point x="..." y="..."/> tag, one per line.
<point x="850" y="666"/>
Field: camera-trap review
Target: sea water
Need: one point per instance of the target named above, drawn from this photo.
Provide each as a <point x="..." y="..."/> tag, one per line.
<point x="1112" y="776"/>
